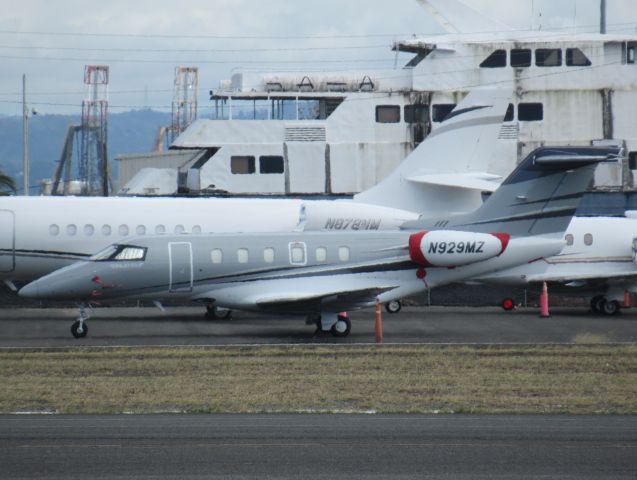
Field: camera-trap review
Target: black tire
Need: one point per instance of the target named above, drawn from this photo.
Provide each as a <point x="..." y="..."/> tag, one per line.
<point x="507" y="304"/>
<point x="342" y="327"/>
<point x="596" y="303"/>
<point x="75" y="330"/>
<point x="394" y="306"/>
<point x="610" y="307"/>
<point x="218" y="313"/>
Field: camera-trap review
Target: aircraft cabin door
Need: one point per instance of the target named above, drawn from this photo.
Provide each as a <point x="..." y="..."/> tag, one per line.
<point x="180" y="267"/>
<point x="7" y="241"/>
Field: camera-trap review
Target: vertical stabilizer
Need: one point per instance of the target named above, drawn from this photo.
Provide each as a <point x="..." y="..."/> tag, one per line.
<point x="449" y="170"/>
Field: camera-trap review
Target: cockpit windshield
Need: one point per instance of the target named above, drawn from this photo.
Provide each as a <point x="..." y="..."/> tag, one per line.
<point x="120" y="253"/>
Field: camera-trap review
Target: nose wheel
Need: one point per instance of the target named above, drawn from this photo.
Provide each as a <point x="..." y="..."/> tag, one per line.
<point x="79" y="329"/>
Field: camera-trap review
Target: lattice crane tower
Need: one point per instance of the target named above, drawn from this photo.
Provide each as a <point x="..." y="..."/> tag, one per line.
<point x="93" y="165"/>
<point x="184" y="107"/>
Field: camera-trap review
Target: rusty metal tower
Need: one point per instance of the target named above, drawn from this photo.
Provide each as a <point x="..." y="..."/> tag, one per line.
<point x="93" y="164"/>
<point x="184" y="106"/>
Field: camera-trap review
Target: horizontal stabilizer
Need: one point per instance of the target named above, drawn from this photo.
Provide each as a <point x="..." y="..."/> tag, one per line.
<point x="485" y="182"/>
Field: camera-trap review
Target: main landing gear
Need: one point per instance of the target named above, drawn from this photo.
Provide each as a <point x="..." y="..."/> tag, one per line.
<point x="79" y="329"/>
<point x="393" y="306"/>
<point x="338" y="325"/>
<point x="218" y="313"/>
<point x="602" y="306"/>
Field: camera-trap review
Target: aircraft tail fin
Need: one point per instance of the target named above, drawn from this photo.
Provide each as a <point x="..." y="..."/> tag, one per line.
<point x="461" y="147"/>
<point x="541" y="195"/>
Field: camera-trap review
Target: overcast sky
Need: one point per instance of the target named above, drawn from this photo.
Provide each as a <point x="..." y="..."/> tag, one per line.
<point x="143" y="41"/>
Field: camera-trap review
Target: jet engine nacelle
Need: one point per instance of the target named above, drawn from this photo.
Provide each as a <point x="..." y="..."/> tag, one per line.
<point x="452" y="248"/>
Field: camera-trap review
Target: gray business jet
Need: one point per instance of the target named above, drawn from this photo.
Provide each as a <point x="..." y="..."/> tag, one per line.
<point x="319" y="274"/>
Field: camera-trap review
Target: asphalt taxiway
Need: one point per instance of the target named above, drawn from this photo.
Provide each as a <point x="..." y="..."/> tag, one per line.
<point x="318" y="446"/>
<point x="49" y="327"/>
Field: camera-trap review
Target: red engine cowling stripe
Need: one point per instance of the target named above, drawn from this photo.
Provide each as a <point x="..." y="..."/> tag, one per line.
<point x="504" y="240"/>
<point x="415" y="252"/>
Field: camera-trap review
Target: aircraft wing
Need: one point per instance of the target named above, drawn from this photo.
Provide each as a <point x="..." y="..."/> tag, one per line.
<point x="613" y="275"/>
<point x="300" y="295"/>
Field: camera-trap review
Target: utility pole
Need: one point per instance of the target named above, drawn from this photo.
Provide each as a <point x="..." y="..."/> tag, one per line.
<point x="602" y="17"/>
<point x="25" y="137"/>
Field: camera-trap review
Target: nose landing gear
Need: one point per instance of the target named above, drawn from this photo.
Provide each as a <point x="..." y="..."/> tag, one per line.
<point x="79" y="329"/>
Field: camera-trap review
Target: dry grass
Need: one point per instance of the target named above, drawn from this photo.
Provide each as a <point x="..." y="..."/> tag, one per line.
<point x="543" y="379"/>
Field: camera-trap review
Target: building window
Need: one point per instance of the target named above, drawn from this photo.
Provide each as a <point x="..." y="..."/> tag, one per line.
<point x="529" y="112"/>
<point x="387" y="114"/>
<point x="343" y="254"/>
<point x="497" y="59"/>
<point x="297" y="253"/>
<point x="416" y="113"/>
<point x="159" y="229"/>
<point x="509" y="116"/>
<point x="216" y="255"/>
<point x="140" y="230"/>
<point x="588" y="239"/>
<point x="632" y="160"/>
<point x="242" y="165"/>
<point x="576" y="58"/>
<point x="321" y="254"/>
<point x="271" y="164"/>
<point x="243" y="255"/>
<point x="630" y="52"/>
<point x="268" y="254"/>
<point x="106" y="230"/>
<point x="54" y="230"/>
<point x="520" y="57"/>
<point x="569" y="239"/>
<point x="440" y="111"/>
<point x="548" y="57"/>
<point x="123" y="230"/>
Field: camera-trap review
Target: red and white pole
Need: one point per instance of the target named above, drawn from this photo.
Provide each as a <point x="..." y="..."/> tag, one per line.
<point x="544" y="301"/>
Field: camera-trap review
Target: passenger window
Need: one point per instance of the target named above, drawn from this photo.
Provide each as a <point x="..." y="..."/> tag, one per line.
<point x="528" y="112"/>
<point x="140" y="230"/>
<point x="54" y="230"/>
<point x="497" y="59"/>
<point x="243" y="255"/>
<point x="576" y="58"/>
<point x="242" y="165"/>
<point x="196" y="229"/>
<point x="123" y="230"/>
<point x="216" y="255"/>
<point x="179" y="229"/>
<point x="321" y="254"/>
<point x="71" y="229"/>
<point x="106" y="230"/>
<point x="387" y="114"/>
<point x="520" y="57"/>
<point x="509" y="116"/>
<point x="159" y="229"/>
<point x="440" y="111"/>
<point x="343" y="254"/>
<point x="569" y="239"/>
<point x="268" y="255"/>
<point x="297" y="253"/>
<point x="270" y="164"/>
<point x="588" y="239"/>
<point x="548" y="57"/>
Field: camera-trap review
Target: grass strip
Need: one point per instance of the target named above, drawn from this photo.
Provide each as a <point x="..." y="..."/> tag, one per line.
<point x="464" y="379"/>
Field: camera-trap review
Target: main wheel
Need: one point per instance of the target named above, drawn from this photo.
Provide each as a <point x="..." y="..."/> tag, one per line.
<point x="77" y="331"/>
<point x="597" y="303"/>
<point x="218" y="313"/>
<point x="394" y="306"/>
<point x="508" y="304"/>
<point x="342" y="327"/>
<point x="610" y="307"/>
